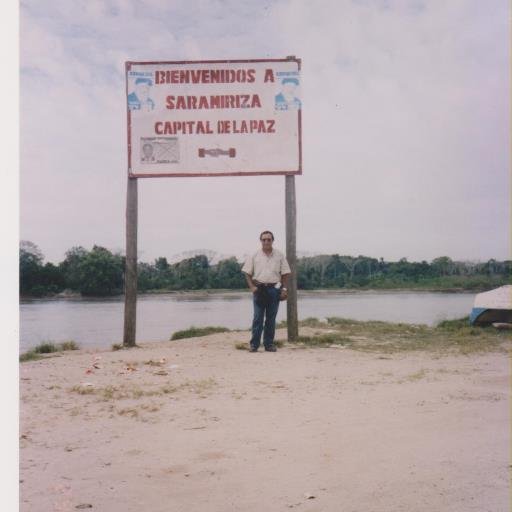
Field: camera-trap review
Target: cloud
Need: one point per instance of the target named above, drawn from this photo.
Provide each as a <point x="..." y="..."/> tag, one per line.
<point x="406" y="126"/>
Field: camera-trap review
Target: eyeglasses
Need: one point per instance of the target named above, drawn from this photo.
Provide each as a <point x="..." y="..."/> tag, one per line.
<point x="266" y="239"/>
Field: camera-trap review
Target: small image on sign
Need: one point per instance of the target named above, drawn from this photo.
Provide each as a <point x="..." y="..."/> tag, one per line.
<point x="139" y="98"/>
<point x="159" y="150"/>
<point x="216" y="152"/>
<point x="287" y="98"/>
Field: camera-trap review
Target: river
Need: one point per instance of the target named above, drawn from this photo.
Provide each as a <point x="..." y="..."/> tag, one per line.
<point x="99" y="322"/>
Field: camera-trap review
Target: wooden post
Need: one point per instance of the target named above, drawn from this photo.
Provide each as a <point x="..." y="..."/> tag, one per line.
<point x="291" y="256"/>
<point x="130" y="287"/>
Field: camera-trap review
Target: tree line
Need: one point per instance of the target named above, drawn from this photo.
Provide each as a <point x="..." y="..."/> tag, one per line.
<point x="99" y="272"/>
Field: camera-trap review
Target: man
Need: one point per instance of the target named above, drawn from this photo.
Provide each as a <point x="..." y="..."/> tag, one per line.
<point x="147" y="152"/>
<point x="139" y="99"/>
<point x="266" y="273"/>
<point x="286" y="99"/>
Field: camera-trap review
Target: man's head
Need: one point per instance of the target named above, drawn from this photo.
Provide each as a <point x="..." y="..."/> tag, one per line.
<point x="147" y="149"/>
<point x="142" y="86"/>
<point x="288" y="86"/>
<point x="267" y="238"/>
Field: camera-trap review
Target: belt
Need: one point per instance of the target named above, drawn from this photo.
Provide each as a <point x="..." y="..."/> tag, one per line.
<point x="269" y="285"/>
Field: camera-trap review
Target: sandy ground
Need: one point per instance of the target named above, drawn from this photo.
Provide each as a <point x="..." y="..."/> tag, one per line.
<point x="207" y="427"/>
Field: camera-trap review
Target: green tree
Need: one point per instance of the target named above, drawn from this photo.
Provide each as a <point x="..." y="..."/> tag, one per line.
<point x="192" y="273"/>
<point x="443" y="266"/>
<point x="31" y="265"/>
<point x="227" y="274"/>
<point x="71" y="267"/>
<point x="101" y="272"/>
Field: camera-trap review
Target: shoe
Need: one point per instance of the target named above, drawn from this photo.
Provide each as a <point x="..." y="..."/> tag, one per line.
<point x="271" y="349"/>
<point x="253" y="349"/>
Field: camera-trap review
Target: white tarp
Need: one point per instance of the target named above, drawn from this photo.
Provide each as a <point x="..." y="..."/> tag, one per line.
<point x="214" y="118"/>
<point x="499" y="298"/>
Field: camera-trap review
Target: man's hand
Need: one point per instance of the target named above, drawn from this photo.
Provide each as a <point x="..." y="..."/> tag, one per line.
<point x="254" y="289"/>
<point x="284" y="294"/>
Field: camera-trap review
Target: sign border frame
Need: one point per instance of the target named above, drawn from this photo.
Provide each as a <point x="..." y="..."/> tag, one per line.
<point x="129" y="64"/>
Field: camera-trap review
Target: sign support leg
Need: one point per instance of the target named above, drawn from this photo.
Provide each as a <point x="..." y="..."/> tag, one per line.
<point x="291" y="256"/>
<point x="130" y="295"/>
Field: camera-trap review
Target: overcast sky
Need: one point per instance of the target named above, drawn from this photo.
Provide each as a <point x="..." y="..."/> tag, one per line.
<point x="405" y="126"/>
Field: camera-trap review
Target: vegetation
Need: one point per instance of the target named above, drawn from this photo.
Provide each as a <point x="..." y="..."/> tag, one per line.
<point x="194" y="332"/>
<point x="47" y="347"/>
<point x="374" y="336"/>
<point x="99" y="272"/>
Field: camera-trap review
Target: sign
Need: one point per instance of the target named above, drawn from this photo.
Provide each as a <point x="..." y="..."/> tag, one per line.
<point x="214" y="118"/>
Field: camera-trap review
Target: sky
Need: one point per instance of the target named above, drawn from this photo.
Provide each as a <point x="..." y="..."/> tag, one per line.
<point x="406" y="127"/>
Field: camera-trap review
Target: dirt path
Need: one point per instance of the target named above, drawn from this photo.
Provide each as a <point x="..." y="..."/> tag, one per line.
<point x="206" y="427"/>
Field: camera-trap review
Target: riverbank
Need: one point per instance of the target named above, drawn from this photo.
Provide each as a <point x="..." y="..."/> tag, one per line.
<point x="397" y="287"/>
<point x="196" y="424"/>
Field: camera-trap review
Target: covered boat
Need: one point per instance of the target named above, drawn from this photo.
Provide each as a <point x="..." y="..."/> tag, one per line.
<point x="492" y="306"/>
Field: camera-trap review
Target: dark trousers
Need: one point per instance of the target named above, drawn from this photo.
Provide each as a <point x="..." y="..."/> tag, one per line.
<point x="265" y="311"/>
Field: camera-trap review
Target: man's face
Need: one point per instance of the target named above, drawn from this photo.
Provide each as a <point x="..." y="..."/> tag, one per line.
<point x="147" y="149"/>
<point x="142" y="91"/>
<point x="266" y="241"/>
<point x="289" y="89"/>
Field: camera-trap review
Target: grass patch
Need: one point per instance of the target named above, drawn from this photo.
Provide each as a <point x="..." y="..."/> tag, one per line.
<point x="455" y="336"/>
<point x="420" y="374"/>
<point x="454" y="325"/>
<point x="83" y="390"/>
<point x="113" y="393"/>
<point x="323" y="340"/>
<point x="194" y="332"/>
<point x="117" y="346"/>
<point x="244" y="345"/>
<point x="68" y="345"/>
<point x="47" y="347"/>
<point x="30" y="356"/>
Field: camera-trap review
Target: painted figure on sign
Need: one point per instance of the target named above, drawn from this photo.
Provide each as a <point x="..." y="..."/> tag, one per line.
<point x="287" y="99"/>
<point x="139" y="99"/>
<point x="266" y="273"/>
<point x="147" y="153"/>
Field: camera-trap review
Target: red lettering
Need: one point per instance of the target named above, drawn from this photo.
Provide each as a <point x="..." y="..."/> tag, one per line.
<point x="269" y="75"/>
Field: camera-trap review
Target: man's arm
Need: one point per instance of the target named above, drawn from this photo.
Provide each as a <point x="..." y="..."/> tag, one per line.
<point x="250" y="282"/>
<point x="284" y="286"/>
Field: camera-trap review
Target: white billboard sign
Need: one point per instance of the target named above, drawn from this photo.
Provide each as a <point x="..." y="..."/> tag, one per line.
<point x="214" y="118"/>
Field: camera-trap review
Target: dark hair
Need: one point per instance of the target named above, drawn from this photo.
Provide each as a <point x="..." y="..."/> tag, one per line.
<point x="267" y="233"/>
<point x="144" y="81"/>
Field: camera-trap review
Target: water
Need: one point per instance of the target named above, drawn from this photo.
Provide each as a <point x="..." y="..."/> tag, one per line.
<point x="99" y="322"/>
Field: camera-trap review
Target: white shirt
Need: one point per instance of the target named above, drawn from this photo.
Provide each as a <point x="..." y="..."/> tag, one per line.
<point x="266" y="268"/>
